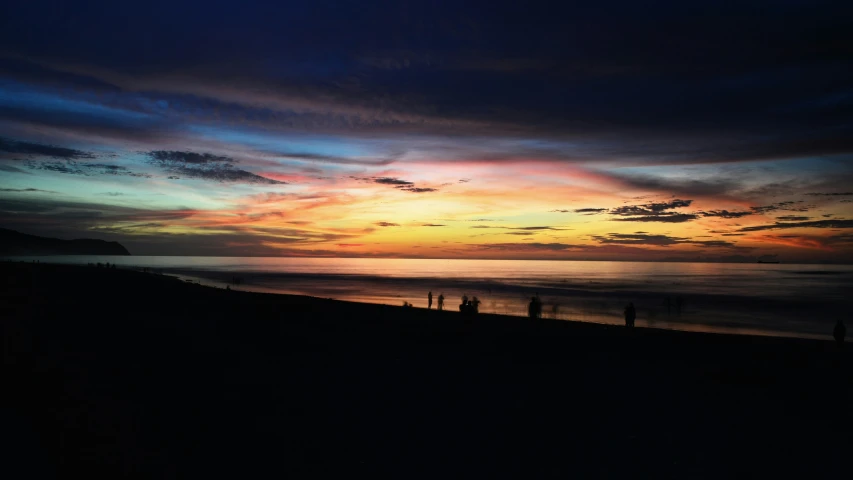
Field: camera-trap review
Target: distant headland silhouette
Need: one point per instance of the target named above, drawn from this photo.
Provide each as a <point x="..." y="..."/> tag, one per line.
<point x="17" y="243"/>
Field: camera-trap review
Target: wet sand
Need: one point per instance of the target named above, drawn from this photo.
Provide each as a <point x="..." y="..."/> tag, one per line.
<point x="122" y="374"/>
<point x="797" y="313"/>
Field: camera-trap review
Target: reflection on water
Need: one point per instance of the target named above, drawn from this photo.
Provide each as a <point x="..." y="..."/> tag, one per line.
<point x="802" y="300"/>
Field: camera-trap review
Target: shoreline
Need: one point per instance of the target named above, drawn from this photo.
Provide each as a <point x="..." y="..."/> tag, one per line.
<point x="574" y="301"/>
<point x="175" y="282"/>
<point x="594" y="302"/>
<point x="670" y="324"/>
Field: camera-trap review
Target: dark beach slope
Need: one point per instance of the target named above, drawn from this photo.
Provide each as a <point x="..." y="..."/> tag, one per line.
<point x="121" y="374"/>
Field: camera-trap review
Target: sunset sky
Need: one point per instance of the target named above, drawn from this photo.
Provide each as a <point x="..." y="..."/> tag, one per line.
<point x="609" y="130"/>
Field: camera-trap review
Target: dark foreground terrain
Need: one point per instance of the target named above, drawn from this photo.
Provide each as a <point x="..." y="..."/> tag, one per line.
<point x="122" y="374"/>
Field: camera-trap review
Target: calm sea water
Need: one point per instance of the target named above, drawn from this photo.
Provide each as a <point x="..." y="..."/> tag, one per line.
<point x="769" y="299"/>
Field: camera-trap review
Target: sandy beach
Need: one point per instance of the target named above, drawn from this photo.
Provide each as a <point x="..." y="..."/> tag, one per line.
<point x="114" y="373"/>
<point x="779" y="300"/>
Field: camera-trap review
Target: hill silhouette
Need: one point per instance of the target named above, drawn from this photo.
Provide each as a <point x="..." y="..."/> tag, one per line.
<point x="17" y="243"/>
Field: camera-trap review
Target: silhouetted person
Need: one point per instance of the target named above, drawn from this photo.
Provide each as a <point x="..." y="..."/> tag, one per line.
<point x="465" y="308"/>
<point x="475" y="305"/>
<point x="441" y="301"/>
<point x="534" y="310"/>
<point x="839" y="332"/>
<point x="630" y="315"/>
<point x="464" y="299"/>
<point x="429" y="300"/>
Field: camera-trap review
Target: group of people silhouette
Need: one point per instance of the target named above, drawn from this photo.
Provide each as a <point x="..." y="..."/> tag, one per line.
<point x="440" y="301"/>
<point x="469" y="306"/>
<point x="534" y="310"/>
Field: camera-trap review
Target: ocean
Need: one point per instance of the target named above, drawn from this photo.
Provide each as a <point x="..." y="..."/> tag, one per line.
<point x="763" y="299"/>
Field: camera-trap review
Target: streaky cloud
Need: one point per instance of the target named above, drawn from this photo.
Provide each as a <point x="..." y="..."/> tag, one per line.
<point x="726" y="213"/>
<point x="205" y="166"/>
<point x="655" y="208"/>
<point x="788" y="206"/>
<point x="40" y="150"/>
<point x="25" y="190"/>
<point x="188" y="157"/>
<point x="656" y="240"/>
<point x="418" y="189"/>
<point x="673" y="218"/>
<point x="392" y="181"/>
<point x="654" y="212"/>
<point x="840" y="223"/>
<point x="84" y="168"/>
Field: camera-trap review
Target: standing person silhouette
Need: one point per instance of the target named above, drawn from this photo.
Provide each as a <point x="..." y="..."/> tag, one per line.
<point x="429" y="300"/>
<point x="839" y="332"/>
<point x="441" y="301"/>
<point x="630" y="315"/>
